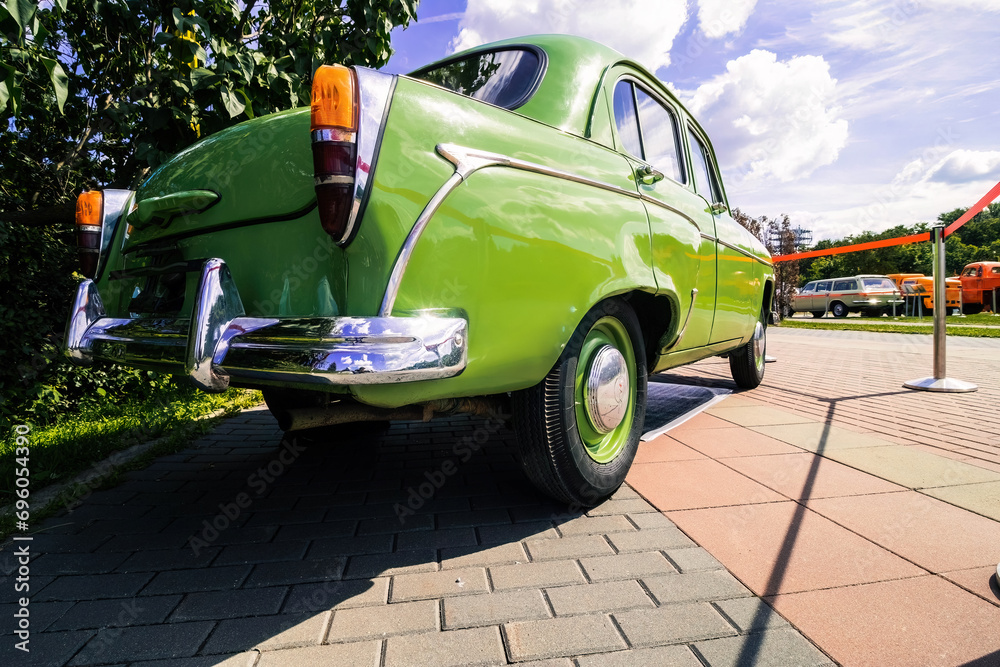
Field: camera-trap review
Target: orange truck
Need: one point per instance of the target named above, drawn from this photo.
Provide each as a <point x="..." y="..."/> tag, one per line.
<point x="917" y="284"/>
<point x="980" y="282"/>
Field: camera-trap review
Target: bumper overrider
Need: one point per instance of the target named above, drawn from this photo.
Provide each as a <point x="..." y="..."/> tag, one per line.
<point x="219" y="344"/>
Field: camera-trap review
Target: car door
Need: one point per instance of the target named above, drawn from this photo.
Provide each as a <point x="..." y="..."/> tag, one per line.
<point x="802" y="302"/>
<point x="821" y="297"/>
<point x="682" y="227"/>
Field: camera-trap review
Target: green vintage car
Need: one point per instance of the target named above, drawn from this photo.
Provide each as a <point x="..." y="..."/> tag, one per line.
<point x="529" y="227"/>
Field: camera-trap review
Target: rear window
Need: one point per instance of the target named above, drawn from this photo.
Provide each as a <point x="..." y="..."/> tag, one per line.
<point x="878" y="283"/>
<point x="506" y="78"/>
<point x="823" y="286"/>
<point x="844" y="286"/>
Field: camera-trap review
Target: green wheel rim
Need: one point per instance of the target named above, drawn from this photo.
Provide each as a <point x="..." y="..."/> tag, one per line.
<point x="604" y="447"/>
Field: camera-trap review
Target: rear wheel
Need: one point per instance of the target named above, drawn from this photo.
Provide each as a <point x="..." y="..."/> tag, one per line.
<point x="838" y="309"/>
<point x="972" y="308"/>
<point x="578" y="430"/>
<point x="747" y="363"/>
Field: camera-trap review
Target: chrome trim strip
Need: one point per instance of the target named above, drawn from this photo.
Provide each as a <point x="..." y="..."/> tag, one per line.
<point x="374" y="91"/>
<point x="744" y="252"/>
<point x="115" y="203"/>
<point x="708" y="237"/>
<point x="467" y="161"/>
<point x="89" y="228"/>
<point x="333" y="179"/>
<point x="219" y="344"/>
<point x="333" y="134"/>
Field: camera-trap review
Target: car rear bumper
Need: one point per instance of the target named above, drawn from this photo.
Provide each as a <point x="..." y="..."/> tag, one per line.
<point x="219" y="344"/>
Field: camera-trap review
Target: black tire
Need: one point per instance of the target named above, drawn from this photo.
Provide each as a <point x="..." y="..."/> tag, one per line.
<point x="556" y="450"/>
<point x="279" y="400"/>
<point x="871" y="312"/>
<point x="817" y="313"/>
<point x="972" y="308"/>
<point x="838" y="309"/>
<point x="747" y="363"/>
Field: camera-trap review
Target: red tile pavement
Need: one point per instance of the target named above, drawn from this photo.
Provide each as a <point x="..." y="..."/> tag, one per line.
<point x="720" y="443"/>
<point x="931" y="533"/>
<point x="665" y="449"/>
<point x="977" y="580"/>
<point x="678" y="485"/>
<point x="924" y="621"/>
<point x="788" y="474"/>
<point x="783" y="547"/>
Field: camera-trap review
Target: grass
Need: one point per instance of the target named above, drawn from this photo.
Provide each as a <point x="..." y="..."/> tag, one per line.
<point x="890" y="326"/>
<point x="76" y="441"/>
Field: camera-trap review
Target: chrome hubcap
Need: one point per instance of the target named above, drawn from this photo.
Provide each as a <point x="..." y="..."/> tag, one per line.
<point x="759" y="345"/>
<point x="606" y="393"/>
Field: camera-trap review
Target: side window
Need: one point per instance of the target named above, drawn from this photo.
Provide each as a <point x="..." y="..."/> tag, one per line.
<point x="659" y="136"/>
<point x="625" y="119"/>
<point x="996" y="269"/>
<point x="971" y="271"/>
<point x="844" y="285"/>
<point x="809" y="288"/>
<point x="704" y="179"/>
<point x="823" y="286"/>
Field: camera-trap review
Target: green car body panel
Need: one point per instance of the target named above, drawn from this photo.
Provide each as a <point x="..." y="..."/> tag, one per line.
<point x="520" y="254"/>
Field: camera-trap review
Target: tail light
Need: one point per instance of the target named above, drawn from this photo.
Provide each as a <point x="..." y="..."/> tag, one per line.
<point x="334" y="145"/>
<point x="89" y="228"/>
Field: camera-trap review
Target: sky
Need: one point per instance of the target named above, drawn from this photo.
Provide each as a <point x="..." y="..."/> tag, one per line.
<point x="846" y="115"/>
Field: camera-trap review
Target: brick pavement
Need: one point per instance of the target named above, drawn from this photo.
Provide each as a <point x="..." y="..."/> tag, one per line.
<point x="866" y="514"/>
<point x="303" y="560"/>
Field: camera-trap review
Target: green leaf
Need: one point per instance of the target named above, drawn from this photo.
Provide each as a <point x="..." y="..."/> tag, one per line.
<point x="232" y="103"/>
<point x="202" y="77"/>
<point x="163" y="38"/>
<point x="5" y="92"/>
<point x="59" y="80"/>
<point x="21" y="11"/>
<point x="246" y="99"/>
<point x="62" y="4"/>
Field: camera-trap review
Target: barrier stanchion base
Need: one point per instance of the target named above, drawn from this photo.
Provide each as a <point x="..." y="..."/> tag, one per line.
<point x="943" y="385"/>
<point x="768" y="359"/>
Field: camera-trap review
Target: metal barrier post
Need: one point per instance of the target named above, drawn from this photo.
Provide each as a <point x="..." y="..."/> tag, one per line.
<point x="995" y="290"/>
<point x="939" y="381"/>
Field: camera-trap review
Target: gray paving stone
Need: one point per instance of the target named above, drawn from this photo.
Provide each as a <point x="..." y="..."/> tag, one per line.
<point x="361" y="654"/>
<point x="491" y="517"/>
<point x="169" y="559"/>
<point x="93" y="614"/>
<point x="494" y="609"/>
<point x="287" y="517"/>
<point x="626" y="566"/>
<point x="516" y="532"/>
<point x="446" y="583"/>
<point x="43" y="614"/>
<point x="597" y="525"/>
<point x="771" y="648"/>
<point x="693" y="560"/>
<point x="651" y="539"/>
<point x="271" y="552"/>
<point x="267" y="633"/>
<point x="350" y="546"/>
<point x="50" y="648"/>
<point x="400" y="562"/>
<point x="245" y="659"/>
<point x="536" y="575"/>
<point x="57" y="564"/>
<point x="229" y="604"/>
<point x="476" y="647"/>
<point x="201" y="579"/>
<point x="337" y="595"/>
<point x="621" y="506"/>
<point x="695" y="587"/>
<point x="554" y="637"/>
<point x="397" y="524"/>
<point x="750" y="614"/>
<point x="651" y="520"/>
<point x="501" y="554"/>
<point x="144" y="642"/>
<point x="313" y="531"/>
<point x="596" y="598"/>
<point x="661" y="656"/>
<point x="568" y="547"/>
<point x="295" y="572"/>
<point x="93" y="586"/>
<point x="436" y="539"/>
<point x="673" y="624"/>
<point x="379" y="622"/>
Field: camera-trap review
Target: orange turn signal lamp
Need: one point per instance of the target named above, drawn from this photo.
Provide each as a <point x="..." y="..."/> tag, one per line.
<point x="89" y="229"/>
<point x="334" y="99"/>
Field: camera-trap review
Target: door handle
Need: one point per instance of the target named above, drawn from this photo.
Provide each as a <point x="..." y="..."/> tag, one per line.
<point x="647" y="175"/>
<point x="718" y="208"/>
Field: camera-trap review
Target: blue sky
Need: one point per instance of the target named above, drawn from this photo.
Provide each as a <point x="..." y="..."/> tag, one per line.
<point x="848" y="115"/>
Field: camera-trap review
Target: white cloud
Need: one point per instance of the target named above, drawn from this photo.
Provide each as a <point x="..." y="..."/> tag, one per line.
<point x="718" y="18"/>
<point x="641" y="30"/>
<point x="963" y="166"/>
<point x="770" y="119"/>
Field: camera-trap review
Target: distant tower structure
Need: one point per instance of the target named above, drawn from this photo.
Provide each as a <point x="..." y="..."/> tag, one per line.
<point x="803" y="238"/>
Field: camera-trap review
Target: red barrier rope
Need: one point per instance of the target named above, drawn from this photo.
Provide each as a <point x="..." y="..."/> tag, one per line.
<point x="900" y="240"/>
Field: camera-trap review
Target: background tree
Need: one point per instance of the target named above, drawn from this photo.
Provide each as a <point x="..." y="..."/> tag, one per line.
<point x="99" y="93"/>
<point x="779" y="238"/>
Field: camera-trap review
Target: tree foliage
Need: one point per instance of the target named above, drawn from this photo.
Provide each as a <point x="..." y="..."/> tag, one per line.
<point x="779" y="238"/>
<point x="100" y="92"/>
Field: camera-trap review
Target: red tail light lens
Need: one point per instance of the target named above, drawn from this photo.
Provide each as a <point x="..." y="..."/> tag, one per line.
<point x="334" y="135"/>
<point x="89" y="226"/>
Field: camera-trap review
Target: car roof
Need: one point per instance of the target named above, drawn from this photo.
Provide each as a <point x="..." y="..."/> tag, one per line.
<point x="575" y="66"/>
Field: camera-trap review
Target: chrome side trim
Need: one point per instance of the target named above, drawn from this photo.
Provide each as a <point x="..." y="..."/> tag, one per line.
<point x="374" y="91"/>
<point x="708" y="237"/>
<point x="467" y="161"/>
<point x="115" y="203"/>
<point x="744" y="252"/>
<point x="218" y="344"/>
<point x="333" y="134"/>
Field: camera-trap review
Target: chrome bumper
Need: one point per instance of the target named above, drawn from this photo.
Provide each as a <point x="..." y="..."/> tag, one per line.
<point x="218" y="343"/>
